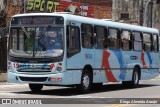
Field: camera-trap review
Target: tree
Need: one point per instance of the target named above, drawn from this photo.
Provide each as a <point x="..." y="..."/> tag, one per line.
<point x="3" y="14"/>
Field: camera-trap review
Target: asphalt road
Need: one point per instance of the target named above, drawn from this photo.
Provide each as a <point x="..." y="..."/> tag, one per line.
<point x="146" y="89"/>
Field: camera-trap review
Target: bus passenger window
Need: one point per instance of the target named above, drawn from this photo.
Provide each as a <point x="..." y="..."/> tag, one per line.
<point x="126" y="40"/>
<point x="87" y="36"/>
<point x="113" y="37"/>
<point x="137" y="41"/>
<point x="101" y="36"/>
<point x="147" y="42"/>
<point x="155" y="43"/>
<point x="73" y="40"/>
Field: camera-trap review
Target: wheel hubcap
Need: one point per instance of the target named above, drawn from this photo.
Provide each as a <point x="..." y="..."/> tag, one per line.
<point x="86" y="81"/>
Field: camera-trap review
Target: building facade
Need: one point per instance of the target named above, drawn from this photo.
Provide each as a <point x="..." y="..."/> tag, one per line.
<point x="97" y="9"/>
<point x="132" y="11"/>
<point x="102" y="8"/>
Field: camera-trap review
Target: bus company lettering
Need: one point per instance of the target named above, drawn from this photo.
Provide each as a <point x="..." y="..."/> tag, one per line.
<point x="88" y="56"/>
<point x="134" y="57"/>
<point x="40" y="4"/>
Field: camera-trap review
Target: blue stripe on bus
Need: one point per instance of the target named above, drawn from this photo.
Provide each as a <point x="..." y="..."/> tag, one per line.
<point x="149" y="57"/>
<point x="119" y="56"/>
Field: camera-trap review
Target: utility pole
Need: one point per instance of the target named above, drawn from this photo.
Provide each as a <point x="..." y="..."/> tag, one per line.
<point x="148" y="7"/>
<point x="151" y="12"/>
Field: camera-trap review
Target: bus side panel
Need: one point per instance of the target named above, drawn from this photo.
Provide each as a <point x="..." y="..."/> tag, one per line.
<point x="130" y="60"/>
<point x="78" y="61"/>
<point x="97" y="78"/>
<point x="98" y="67"/>
<point x="76" y="76"/>
<point x="107" y="63"/>
<point x="150" y="67"/>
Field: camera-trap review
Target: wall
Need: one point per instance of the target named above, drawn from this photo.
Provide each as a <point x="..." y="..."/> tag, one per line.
<point x="133" y="7"/>
<point x="102" y="8"/>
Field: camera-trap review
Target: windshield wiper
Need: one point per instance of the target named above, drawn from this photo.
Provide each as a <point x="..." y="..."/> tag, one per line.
<point x="26" y="33"/>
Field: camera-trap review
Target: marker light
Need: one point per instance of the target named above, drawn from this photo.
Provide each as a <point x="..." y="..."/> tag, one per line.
<point x="51" y="66"/>
<point x="55" y="79"/>
<point x="60" y="64"/>
<point x="9" y="65"/>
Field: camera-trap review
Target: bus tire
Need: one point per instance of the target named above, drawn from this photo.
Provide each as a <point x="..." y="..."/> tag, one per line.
<point x="135" y="78"/>
<point x="35" y="87"/>
<point x="86" y="82"/>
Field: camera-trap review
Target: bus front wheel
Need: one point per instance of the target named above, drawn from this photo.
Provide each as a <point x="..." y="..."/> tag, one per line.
<point x="35" y="87"/>
<point x="86" y="82"/>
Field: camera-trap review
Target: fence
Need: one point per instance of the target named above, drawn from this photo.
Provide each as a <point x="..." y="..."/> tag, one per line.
<point x="3" y="50"/>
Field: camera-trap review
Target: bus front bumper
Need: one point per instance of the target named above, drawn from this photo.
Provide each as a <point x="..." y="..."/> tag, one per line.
<point x="49" y="79"/>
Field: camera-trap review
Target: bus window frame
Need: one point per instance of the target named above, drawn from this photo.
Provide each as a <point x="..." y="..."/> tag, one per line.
<point x="151" y="42"/>
<point x="156" y="43"/>
<point x="76" y="50"/>
<point x="117" y="39"/>
<point x="104" y="37"/>
<point x="137" y="41"/>
<point x="91" y="36"/>
<point x="130" y="41"/>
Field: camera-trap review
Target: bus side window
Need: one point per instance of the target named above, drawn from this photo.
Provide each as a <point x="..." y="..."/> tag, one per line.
<point x="126" y="40"/>
<point x="73" y="40"/>
<point x="155" y="43"/>
<point x="147" y="42"/>
<point x="101" y="37"/>
<point x="137" y="41"/>
<point x="87" y="36"/>
<point x="114" y="40"/>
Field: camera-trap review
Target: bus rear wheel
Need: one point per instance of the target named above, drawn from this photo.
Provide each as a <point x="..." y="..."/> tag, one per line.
<point x="86" y="82"/>
<point x="135" y="79"/>
<point x="35" y="87"/>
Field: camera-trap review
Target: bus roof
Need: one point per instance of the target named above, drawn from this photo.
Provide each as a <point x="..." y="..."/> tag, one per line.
<point x="87" y="20"/>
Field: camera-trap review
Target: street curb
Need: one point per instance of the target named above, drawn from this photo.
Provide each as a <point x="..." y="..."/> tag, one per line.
<point x="3" y="77"/>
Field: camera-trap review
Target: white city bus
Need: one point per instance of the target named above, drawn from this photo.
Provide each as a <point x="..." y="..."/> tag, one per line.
<point x="69" y="50"/>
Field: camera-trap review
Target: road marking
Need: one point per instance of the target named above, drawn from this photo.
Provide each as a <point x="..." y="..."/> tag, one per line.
<point x="13" y="86"/>
<point x="8" y="94"/>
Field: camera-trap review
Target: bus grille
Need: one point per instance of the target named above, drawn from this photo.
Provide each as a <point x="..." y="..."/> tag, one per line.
<point x="34" y="71"/>
<point x="33" y="79"/>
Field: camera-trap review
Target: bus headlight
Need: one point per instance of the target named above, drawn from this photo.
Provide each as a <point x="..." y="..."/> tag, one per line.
<point x="59" y="69"/>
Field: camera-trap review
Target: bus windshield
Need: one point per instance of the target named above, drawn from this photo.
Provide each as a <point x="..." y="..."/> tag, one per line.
<point x="36" y="42"/>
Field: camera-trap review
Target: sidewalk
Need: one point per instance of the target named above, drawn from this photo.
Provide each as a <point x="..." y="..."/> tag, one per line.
<point x="4" y="83"/>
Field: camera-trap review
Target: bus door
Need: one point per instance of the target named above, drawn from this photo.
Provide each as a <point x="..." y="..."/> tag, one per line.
<point x="79" y="50"/>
